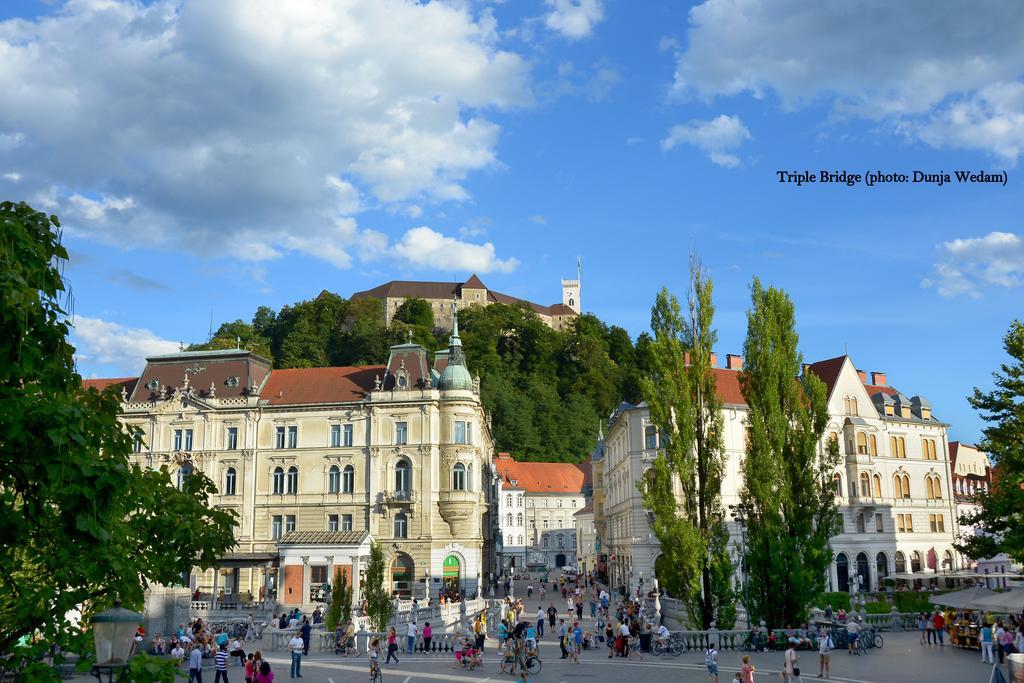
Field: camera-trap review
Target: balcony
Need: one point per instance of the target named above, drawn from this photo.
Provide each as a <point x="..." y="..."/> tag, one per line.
<point x="461" y="512"/>
<point x="398" y="498"/>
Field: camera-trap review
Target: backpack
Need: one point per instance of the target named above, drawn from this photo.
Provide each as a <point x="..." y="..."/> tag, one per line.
<point x="709" y="656"/>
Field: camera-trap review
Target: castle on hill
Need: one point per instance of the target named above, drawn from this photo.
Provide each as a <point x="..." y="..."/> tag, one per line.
<point x="472" y="292"/>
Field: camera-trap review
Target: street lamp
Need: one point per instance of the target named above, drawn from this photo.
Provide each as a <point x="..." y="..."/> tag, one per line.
<point x="113" y="631"/>
<point x="740" y="513"/>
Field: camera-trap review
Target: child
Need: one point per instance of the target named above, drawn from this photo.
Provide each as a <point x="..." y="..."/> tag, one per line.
<point x="711" y="662"/>
<point x="747" y="670"/>
<point x="738" y="678"/>
<point x="374" y="655"/>
<point x="248" y="668"/>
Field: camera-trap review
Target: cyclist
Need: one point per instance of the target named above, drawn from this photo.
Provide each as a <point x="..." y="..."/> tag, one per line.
<point x="663" y="635"/>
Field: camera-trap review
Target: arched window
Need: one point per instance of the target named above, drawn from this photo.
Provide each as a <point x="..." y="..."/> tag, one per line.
<point x="837" y="482"/>
<point x="278" y="480"/>
<point x="901" y="562"/>
<point x="862" y="443"/>
<point x="508" y="500"/>
<point x="881" y="567"/>
<point x="853" y="406"/>
<point x="901" y="486"/>
<point x="934" y="487"/>
<point x="229" y="482"/>
<point x="561" y="540"/>
<point x="508" y="519"/>
<point x="902" y="444"/>
<point x="865" y="485"/>
<point x="293" y="479"/>
<point x="915" y="561"/>
<point x="402" y="476"/>
<point x="459" y="477"/>
<point x="184" y="472"/>
<point x="401" y="525"/>
<point x="519" y="519"/>
<point x="877" y="481"/>
<point x="348" y="479"/>
<point x="650" y="437"/>
<point x="544" y="542"/>
<point x="872" y="445"/>
<point x="333" y="479"/>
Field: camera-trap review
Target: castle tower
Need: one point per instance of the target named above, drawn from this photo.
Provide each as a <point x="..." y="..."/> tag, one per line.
<point x="571" y="289"/>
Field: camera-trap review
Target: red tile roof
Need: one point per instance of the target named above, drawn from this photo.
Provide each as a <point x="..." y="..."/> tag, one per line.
<point x="474" y="283"/>
<point x="727" y="383"/>
<point x="542" y="477"/>
<point x="101" y="384"/>
<point x="584" y="510"/>
<point x="828" y="371"/>
<point x="321" y="385"/>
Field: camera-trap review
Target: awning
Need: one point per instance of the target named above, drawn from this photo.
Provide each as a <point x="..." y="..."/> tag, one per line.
<point x="1007" y="602"/>
<point x="242" y="560"/>
<point x="965" y="599"/>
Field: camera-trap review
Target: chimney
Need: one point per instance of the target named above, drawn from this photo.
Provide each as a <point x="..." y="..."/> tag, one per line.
<point x="714" y="359"/>
<point x="879" y="379"/>
<point x="863" y="376"/>
<point x="733" y="362"/>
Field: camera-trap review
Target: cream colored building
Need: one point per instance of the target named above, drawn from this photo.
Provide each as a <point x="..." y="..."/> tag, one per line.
<point x="893" y="486"/>
<point x="472" y="292"/>
<point x="399" y="454"/>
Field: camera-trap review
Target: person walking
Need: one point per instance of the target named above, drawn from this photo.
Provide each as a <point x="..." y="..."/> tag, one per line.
<point x="609" y="638"/>
<point x="540" y="622"/>
<point x="824" y="648"/>
<point x="922" y="626"/>
<point x="428" y="633"/>
<point x="410" y="638"/>
<point x="195" y="665"/>
<point x="304" y="631"/>
<point x="220" y="665"/>
<point x="985" y="638"/>
<point x="296" y="646"/>
<point x="853" y="628"/>
<point x="579" y="610"/>
<point x="999" y="632"/>
<point x="790" y="667"/>
<point x="623" y="639"/>
<point x="939" y="622"/>
<point x="746" y="672"/>
<point x="552" y="615"/>
<point x="711" y="663"/>
<point x="930" y="627"/>
<point x="562" y="637"/>
<point x="577" y="641"/>
<point x="392" y="646"/>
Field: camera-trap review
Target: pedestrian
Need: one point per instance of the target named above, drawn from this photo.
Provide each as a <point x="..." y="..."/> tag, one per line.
<point x="853" y="629"/>
<point x="1008" y="639"/>
<point x="824" y="648"/>
<point x="986" y="643"/>
<point x="922" y="626"/>
<point x="562" y="638"/>
<point x="305" y="630"/>
<point x="428" y="633"/>
<point x="249" y="673"/>
<point x="552" y="615"/>
<point x="540" y="622"/>
<point x="939" y="622"/>
<point x="410" y="638"/>
<point x="609" y="639"/>
<point x="577" y="641"/>
<point x="195" y="665"/>
<point x="593" y="608"/>
<point x="746" y="673"/>
<point x="529" y="590"/>
<point x="263" y="674"/>
<point x="930" y="627"/>
<point x="790" y="668"/>
<point x="392" y="646"/>
<point x="711" y="662"/>
<point x="623" y="639"/>
<point x="296" y="645"/>
<point x="220" y="665"/>
<point x="237" y="651"/>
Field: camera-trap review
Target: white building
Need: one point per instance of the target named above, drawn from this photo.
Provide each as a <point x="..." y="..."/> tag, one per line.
<point x="972" y="476"/>
<point x="894" y="487"/>
<point x="551" y="494"/>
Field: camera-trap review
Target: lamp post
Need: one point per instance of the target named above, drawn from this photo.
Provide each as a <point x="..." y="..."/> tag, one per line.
<point x="740" y="513"/>
<point x="112" y="632"/>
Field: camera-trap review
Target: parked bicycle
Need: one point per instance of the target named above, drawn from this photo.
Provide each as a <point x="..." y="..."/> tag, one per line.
<point x="674" y="645"/>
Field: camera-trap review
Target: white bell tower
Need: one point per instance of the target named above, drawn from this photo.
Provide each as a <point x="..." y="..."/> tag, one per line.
<point x="571" y="288"/>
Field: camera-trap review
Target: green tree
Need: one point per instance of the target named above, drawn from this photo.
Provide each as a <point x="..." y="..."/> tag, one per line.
<point x="378" y="597"/>
<point x="787" y="469"/>
<point x="415" y="312"/>
<point x="1000" y="515"/>
<point x="341" y="601"/>
<point x="237" y="334"/>
<point x="80" y="523"/>
<point x="684" y="405"/>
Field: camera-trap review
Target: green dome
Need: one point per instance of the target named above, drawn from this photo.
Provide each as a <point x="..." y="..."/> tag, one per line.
<point x="456" y="374"/>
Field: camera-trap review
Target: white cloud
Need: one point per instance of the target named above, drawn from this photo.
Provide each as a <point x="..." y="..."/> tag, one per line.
<point x="424" y="248"/>
<point x="717" y="137"/>
<point x="965" y="266"/>
<point x="12" y="176"/>
<point x="119" y="347"/>
<point x="947" y="73"/>
<point x="538" y="219"/>
<point x="574" y="19"/>
<point x="206" y="125"/>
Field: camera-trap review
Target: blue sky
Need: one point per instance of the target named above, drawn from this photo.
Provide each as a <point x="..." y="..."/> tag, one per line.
<point x="217" y="156"/>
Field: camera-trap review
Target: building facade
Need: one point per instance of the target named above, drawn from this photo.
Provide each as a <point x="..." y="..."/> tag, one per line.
<point x="472" y="292"/>
<point x="398" y="453"/>
<point x="972" y="476"/>
<point x="551" y="494"/>
<point x="894" y="487"/>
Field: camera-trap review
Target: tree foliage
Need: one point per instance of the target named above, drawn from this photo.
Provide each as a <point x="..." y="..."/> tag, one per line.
<point x="415" y="312"/>
<point x="341" y="601"/>
<point x="687" y="411"/>
<point x="786" y="471"/>
<point x="80" y="524"/>
<point x="375" y="592"/>
<point x="1000" y="517"/>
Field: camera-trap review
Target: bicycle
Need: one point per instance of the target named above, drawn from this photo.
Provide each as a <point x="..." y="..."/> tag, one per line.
<point x="673" y="645"/>
<point x="633" y="643"/>
<point x="375" y="676"/>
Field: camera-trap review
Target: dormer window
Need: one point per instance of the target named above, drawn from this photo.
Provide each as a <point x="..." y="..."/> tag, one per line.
<point x="231" y="382"/>
<point x="890" y="410"/>
<point x="905" y="412"/>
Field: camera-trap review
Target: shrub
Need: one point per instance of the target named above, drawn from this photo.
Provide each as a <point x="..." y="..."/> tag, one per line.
<point x="911" y="601"/>
<point x="840" y="600"/>
<point x="878" y="607"/>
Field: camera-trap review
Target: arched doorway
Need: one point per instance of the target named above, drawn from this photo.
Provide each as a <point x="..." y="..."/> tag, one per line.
<point x="882" y="569"/>
<point x="843" y="573"/>
<point x="402" y="575"/>
<point x="864" y="572"/>
<point x="559" y="560"/>
<point x="452" y="573"/>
